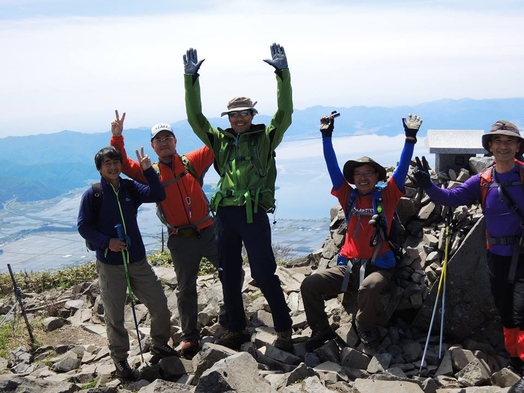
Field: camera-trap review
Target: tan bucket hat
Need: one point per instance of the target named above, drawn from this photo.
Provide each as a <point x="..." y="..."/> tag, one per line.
<point x="503" y="127"/>
<point x="240" y="104"/>
<point x="351" y="165"/>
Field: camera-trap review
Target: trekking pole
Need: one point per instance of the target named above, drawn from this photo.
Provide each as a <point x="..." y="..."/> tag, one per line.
<point x="18" y="294"/>
<point x="441" y="285"/>
<point x="444" y="275"/>
<point x="122" y="237"/>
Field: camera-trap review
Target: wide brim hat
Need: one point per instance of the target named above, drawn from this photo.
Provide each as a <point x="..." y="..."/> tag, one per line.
<point x="351" y="165"/>
<point x="502" y="127"/>
<point x="159" y="128"/>
<point x="240" y="104"/>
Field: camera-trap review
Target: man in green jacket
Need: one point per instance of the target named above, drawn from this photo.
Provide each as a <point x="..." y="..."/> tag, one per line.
<point x="245" y="161"/>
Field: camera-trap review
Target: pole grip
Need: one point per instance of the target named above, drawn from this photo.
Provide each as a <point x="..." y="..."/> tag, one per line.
<point x="120" y="232"/>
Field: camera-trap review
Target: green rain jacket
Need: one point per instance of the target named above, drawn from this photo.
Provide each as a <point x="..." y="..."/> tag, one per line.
<point x="245" y="162"/>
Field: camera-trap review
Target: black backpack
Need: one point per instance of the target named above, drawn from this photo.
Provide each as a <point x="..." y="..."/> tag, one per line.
<point x="97" y="202"/>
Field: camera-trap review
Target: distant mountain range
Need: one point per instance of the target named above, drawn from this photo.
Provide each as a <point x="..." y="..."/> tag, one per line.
<point x="48" y="165"/>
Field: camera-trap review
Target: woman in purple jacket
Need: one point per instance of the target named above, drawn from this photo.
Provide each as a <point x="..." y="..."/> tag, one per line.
<point x="500" y="190"/>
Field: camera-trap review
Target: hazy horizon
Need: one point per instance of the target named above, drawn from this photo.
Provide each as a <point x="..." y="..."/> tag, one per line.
<point x="69" y="65"/>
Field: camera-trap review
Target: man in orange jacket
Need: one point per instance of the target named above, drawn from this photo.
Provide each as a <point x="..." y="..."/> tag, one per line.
<point x="186" y="214"/>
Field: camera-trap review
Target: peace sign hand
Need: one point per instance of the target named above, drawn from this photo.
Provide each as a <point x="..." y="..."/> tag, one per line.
<point x="117" y="125"/>
<point x="143" y="159"/>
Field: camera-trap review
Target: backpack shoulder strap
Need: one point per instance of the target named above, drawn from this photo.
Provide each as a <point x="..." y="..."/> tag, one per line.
<point x="486" y="181"/>
<point x="377" y="201"/>
<point x="350" y="204"/>
<point x="190" y="168"/>
<point x="378" y="204"/>
<point x="97" y="199"/>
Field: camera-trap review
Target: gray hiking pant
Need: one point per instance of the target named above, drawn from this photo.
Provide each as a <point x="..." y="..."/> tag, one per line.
<point x="186" y="253"/>
<point x="326" y="284"/>
<point x="147" y="288"/>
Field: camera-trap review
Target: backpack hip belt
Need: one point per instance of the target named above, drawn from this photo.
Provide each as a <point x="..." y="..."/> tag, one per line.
<point x="190" y="229"/>
<point x="355" y="262"/>
<point x="251" y="200"/>
<point x="505" y="240"/>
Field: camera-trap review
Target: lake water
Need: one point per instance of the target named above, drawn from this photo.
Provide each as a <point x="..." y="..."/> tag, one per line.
<point x="42" y="235"/>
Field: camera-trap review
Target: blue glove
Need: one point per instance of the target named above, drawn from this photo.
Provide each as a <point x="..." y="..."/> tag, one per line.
<point x="278" y="57"/>
<point x="411" y="126"/>
<point x="191" y="63"/>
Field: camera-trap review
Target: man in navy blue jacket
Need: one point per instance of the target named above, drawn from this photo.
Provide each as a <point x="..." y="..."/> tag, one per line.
<point x="119" y="203"/>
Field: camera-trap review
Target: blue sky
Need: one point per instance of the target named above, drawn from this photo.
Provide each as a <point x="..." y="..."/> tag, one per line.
<point x="69" y="64"/>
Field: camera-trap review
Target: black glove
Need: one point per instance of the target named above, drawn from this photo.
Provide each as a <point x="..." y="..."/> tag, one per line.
<point x="278" y="57"/>
<point x="327" y="124"/>
<point x="191" y="63"/>
<point x="421" y="173"/>
<point x="411" y="126"/>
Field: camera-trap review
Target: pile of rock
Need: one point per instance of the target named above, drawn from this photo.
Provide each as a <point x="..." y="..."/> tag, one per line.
<point x="470" y="358"/>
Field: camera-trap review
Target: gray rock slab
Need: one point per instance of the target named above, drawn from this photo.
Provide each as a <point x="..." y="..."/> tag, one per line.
<point x="455" y="141"/>
<point x="372" y="386"/>
<point x="238" y="373"/>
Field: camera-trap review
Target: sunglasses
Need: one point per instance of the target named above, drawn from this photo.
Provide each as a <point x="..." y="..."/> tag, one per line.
<point x="241" y="113"/>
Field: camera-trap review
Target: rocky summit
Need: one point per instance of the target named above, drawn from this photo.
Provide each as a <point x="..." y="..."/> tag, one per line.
<point x="462" y="353"/>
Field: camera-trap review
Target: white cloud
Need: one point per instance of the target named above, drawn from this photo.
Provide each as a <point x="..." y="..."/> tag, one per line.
<point x="72" y="72"/>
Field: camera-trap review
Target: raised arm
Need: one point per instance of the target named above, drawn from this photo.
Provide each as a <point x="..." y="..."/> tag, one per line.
<point x="282" y="118"/>
<point x="411" y="126"/>
<point x="198" y="122"/>
<point x="130" y="167"/>
<point x="327" y="125"/>
<point x="465" y="194"/>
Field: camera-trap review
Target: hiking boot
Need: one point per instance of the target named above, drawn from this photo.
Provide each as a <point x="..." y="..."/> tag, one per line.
<point x="164" y="351"/>
<point x="370" y="339"/>
<point x="233" y="340"/>
<point x="371" y="342"/>
<point x="123" y="370"/>
<point x="318" y="338"/>
<point x="222" y="317"/>
<point x="187" y="349"/>
<point x="284" y="341"/>
<point x="518" y="387"/>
